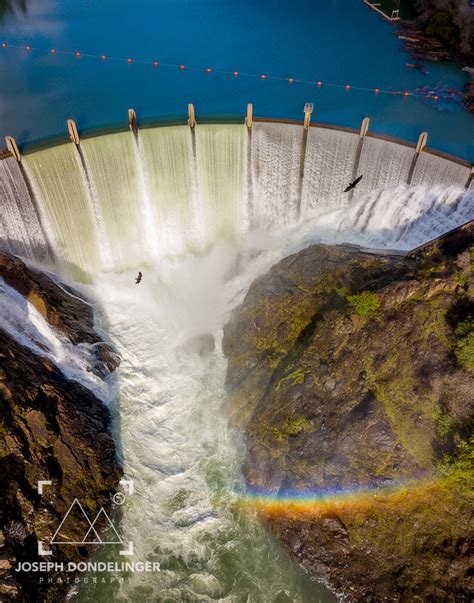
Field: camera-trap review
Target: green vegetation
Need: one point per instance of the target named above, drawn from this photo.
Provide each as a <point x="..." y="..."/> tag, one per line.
<point x="461" y="278"/>
<point x="458" y="468"/>
<point x="464" y="347"/>
<point x="284" y="321"/>
<point x="394" y="381"/>
<point x="364" y="303"/>
<point x="295" y="426"/>
<point x="89" y="503"/>
<point x="444" y="423"/>
<point x="447" y="20"/>
<point x="290" y="427"/>
<point x="297" y="376"/>
<point x="441" y="25"/>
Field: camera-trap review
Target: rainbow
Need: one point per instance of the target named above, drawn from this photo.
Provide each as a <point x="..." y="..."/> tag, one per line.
<point x="320" y="503"/>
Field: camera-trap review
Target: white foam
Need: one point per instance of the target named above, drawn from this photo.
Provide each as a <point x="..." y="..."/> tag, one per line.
<point x="22" y="321"/>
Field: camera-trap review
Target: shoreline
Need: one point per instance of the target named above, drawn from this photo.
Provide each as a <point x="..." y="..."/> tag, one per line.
<point x="426" y="48"/>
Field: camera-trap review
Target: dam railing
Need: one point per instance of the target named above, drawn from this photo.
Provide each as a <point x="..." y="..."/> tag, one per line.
<point x="363" y="132"/>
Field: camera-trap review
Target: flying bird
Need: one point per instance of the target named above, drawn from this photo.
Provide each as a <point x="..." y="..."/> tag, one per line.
<point x="353" y="184"/>
<point x="139" y="278"/>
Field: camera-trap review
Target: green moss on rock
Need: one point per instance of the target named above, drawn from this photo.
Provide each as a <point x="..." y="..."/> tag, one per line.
<point x="458" y="467"/>
<point x="444" y="423"/>
<point x="364" y="303"/>
<point x="295" y="425"/>
<point x="464" y="347"/>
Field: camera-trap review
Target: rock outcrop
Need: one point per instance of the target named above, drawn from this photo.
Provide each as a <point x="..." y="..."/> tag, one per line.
<point x="51" y="429"/>
<point x="352" y="372"/>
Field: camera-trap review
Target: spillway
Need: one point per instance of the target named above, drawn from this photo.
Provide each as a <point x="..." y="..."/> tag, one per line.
<point x="221" y="171"/>
<point x="20" y="227"/>
<point x="113" y="169"/>
<point x="437" y="170"/>
<point x="202" y="212"/>
<point x="275" y="156"/>
<point x="330" y="156"/>
<point x="399" y="217"/>
<point x="63" y="198"/>
<point x="170" y="178"/>
<point x="382" y="164"/>
<point x="119" y="201"/>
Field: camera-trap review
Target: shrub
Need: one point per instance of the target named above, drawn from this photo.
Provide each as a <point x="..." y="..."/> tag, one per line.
<point x="441" y="25"/>
<point x="444" y="424"/>
<point x="464" y="347"/>
<point x="459" y="466"/>
<point x="364" y="303"/>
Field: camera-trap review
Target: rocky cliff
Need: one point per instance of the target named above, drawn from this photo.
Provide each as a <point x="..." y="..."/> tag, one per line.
<point x="353" y="373"/>
<point x="51" y="428"/>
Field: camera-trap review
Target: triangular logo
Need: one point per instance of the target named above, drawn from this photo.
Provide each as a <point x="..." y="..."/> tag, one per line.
<point x="109" y="534"/>
<point x="67" y="530"/>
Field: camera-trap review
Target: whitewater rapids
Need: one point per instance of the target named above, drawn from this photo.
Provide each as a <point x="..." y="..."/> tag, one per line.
<point x="170" y="426"/>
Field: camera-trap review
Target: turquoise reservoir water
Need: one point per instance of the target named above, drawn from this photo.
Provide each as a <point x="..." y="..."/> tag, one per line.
<point x="338" y="41"/>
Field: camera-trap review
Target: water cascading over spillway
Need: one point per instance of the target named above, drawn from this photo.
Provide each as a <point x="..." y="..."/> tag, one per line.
<point x="120" y="201"/>
<point x="20" y="227"/>
<point x="202" y="213"/>
<point x="330" y="157"/>
<point x="64" y="199"/>
<point x="112" y="166"/>
<point x="432" y="170"/>
<point x="220" y="152"/>
<point x="170" y="178"/>
<point x="400" y="217"/>
<point x="383" y="164"/>
<point x="275" y="156"/>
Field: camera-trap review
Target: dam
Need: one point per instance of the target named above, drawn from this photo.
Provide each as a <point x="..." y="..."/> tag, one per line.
<point x="202" y="211"/>
<point x="119" y="200"/>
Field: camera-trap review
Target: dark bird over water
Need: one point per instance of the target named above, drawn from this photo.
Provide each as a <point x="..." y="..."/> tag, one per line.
<point x="139" y="278"/>
<point x="353" y="184"/>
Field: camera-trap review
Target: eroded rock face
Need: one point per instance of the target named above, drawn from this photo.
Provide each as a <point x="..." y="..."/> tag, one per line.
<point x="51" y="429"/>
<point x="344" y="374"/>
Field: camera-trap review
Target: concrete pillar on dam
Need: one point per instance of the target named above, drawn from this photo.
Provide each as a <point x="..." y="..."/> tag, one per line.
<point x="13" y="147"/>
